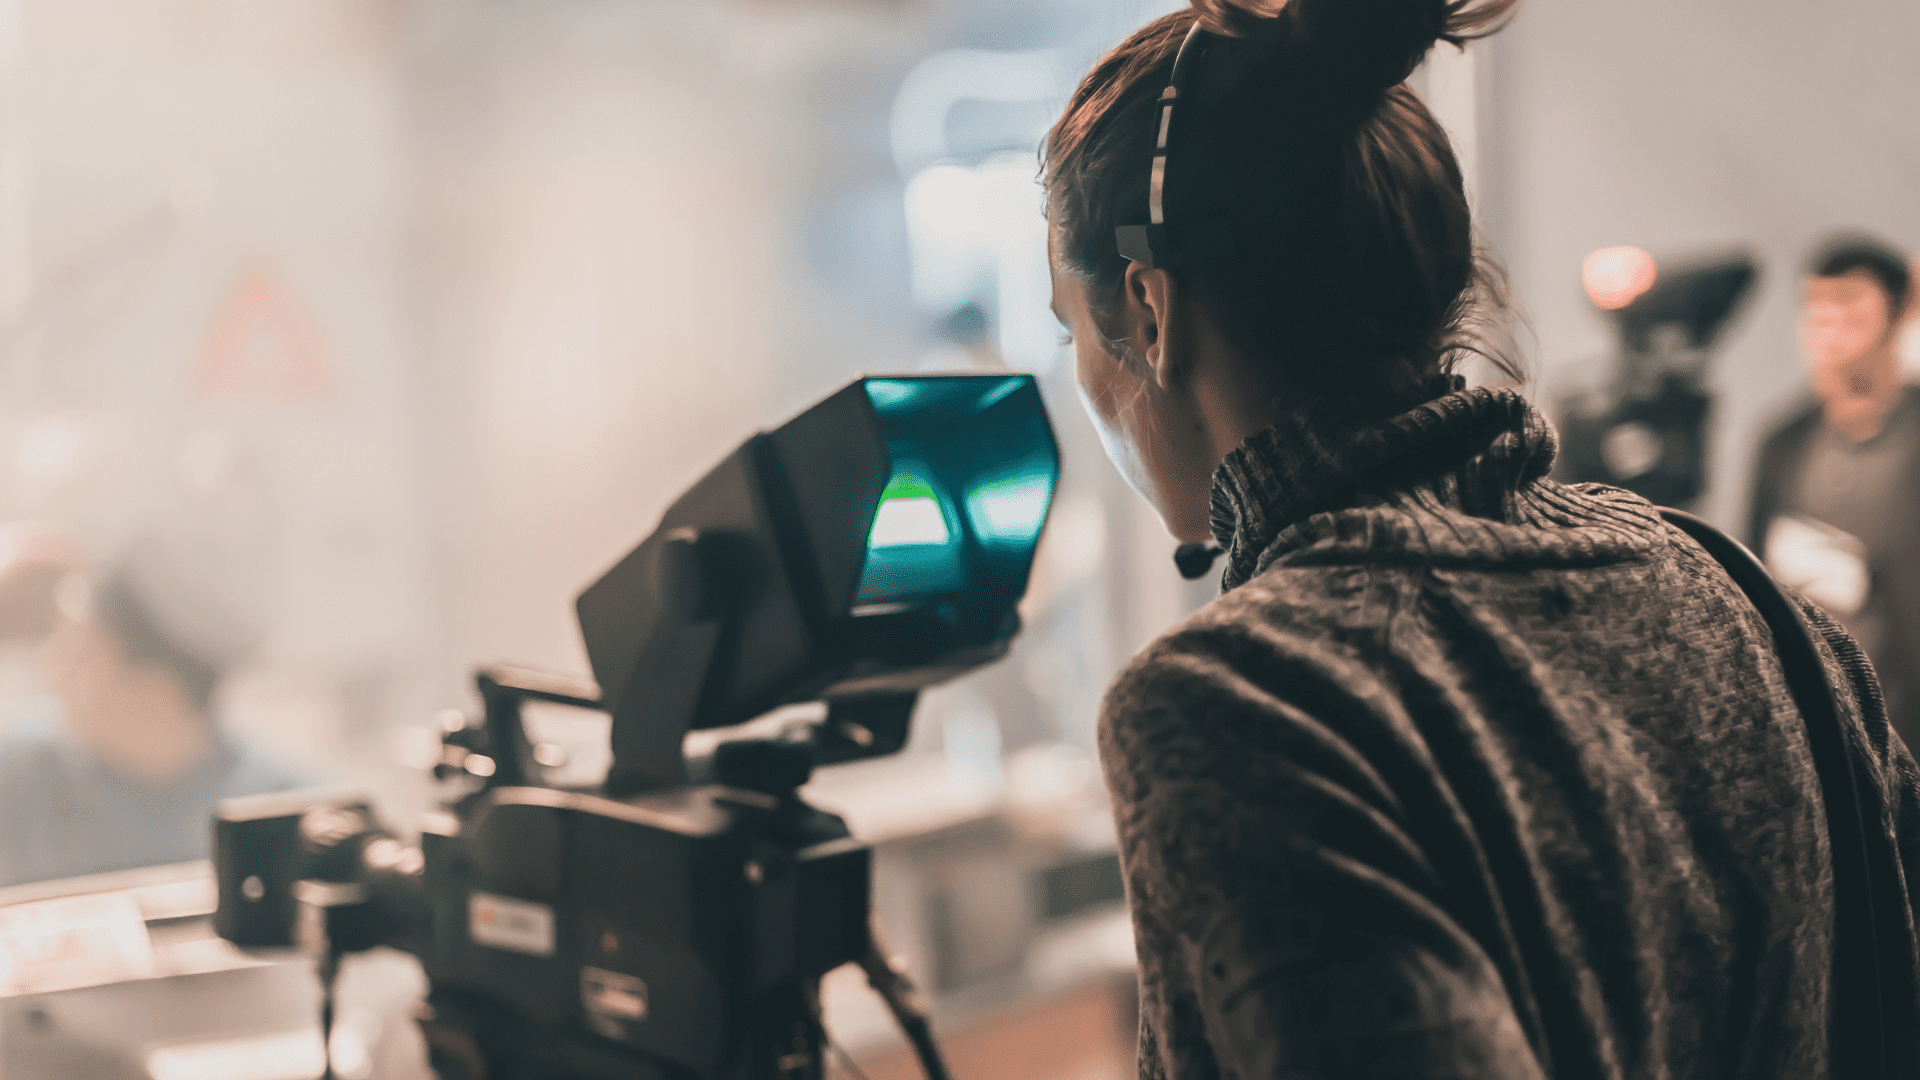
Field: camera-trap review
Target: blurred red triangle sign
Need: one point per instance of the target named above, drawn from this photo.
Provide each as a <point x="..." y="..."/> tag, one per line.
<point x="264" y="344"/>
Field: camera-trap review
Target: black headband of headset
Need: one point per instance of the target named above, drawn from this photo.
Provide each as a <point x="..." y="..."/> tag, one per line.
<point x="1157" y="243"/>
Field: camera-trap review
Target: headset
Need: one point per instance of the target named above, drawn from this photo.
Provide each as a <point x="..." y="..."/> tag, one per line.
<point x="1157" y="244"/>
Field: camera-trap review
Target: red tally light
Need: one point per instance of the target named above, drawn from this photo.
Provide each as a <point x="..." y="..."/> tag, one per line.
<point x="1616" y="276"/>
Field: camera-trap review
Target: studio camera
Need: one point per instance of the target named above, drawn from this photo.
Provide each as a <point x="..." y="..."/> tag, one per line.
<point x="1647" y="432"/>
<point x="674" y="922"/>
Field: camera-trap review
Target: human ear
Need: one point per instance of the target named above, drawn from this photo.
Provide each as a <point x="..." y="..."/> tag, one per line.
<point x="1150" y="299"/>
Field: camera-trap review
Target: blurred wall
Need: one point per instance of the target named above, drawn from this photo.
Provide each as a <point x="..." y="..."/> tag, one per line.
<point x="1684" y="127"/>
<point x="599" y="229"/>
<point x="206" y="337"/>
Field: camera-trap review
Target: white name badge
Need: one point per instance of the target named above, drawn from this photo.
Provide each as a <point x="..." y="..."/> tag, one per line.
<point x="1827" y="565"/>
<point x="503" y="922"/>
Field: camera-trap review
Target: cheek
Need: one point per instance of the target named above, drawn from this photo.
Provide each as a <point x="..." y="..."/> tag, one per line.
<point x="1829" y="336"/>
<point x="1107" y="390"/>
<point x="1113" y="397"/>
<point x="1093" y="372"/>
<point x="1838" y="333"/>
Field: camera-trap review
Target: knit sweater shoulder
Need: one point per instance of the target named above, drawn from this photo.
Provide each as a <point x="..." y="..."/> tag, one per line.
<point x="1469" y="773"/>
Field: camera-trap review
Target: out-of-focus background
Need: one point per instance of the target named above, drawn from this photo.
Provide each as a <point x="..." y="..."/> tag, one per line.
<point x="378" y="328"/>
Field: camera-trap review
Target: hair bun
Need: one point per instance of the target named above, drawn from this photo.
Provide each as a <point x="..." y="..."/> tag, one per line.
<point x="1357" y="46"/>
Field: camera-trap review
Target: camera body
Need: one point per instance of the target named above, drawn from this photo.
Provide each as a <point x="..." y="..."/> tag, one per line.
<point x="567" y="933"/>
<point x="688" y="927"/>
<point x="1647" y="432"/>
<point x="675" y="920"/>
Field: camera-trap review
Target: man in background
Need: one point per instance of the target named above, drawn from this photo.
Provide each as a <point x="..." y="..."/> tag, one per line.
<point x="1836" y="505"/>
<point x="129" y="764"/>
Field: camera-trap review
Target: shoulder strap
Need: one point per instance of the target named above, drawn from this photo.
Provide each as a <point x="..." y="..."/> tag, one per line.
<point x="1861" y="1035"/>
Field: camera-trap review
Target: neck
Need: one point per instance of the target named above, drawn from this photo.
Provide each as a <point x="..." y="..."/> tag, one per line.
<point x="1859" y="395"/>
<point x="1471" y="450"/>
<point x="1237" y="395"/>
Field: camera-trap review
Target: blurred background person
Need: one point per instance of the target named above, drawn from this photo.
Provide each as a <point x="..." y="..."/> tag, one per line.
<point x="1834" y="507"/>
<point x="127" y="767"/>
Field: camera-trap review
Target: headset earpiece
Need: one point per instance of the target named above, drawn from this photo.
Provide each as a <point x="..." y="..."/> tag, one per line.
<point x="1157" y="244"/>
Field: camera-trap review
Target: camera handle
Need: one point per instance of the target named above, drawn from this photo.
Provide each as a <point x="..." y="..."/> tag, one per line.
<point x="503" y="690"/>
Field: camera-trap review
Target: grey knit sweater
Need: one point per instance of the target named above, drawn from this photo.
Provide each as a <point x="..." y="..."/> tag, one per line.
<point x="1473" y="774"/>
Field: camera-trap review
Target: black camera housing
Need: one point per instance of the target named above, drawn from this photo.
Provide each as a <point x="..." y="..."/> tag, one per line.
<point x="655" y="927"/>
<point x="716" y="906"/>
<point x="1658" y="406"/>
<point x="682" y="929"/>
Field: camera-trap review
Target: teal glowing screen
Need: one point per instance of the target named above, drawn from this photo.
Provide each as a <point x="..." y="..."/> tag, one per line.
<point x="973" y="471"/>
<point x="914" y="546"/>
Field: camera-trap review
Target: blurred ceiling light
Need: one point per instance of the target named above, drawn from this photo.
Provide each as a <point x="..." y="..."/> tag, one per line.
<point x="951" y="236"/>
<point x="1617" y="276"/>
<point x="976" y="235"/>
<point x="52" y="452"/>
<point x="1048" y="772"/>
<point x="943" y="80"/>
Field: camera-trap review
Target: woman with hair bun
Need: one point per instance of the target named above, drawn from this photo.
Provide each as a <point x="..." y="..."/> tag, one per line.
<point x="1467" y="773"/>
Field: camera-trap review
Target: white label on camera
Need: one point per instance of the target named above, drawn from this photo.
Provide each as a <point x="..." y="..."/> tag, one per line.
<point x="502" y="922"/>
<point x="613" y="995"/>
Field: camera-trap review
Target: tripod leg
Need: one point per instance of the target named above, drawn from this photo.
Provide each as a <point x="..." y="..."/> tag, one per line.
<point x="329" y="972"/>
<point x="888" y="977"/>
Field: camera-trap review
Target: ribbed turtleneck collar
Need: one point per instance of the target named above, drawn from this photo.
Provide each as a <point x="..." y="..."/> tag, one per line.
<point x="1476" y="446"/>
